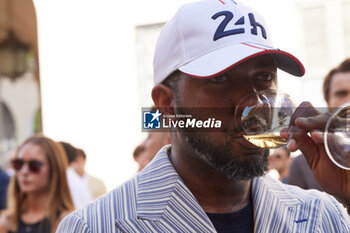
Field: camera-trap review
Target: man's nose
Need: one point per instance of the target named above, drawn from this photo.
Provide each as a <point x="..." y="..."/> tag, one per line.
<point x="258" y="99"/>
<point x="254" y="99"/>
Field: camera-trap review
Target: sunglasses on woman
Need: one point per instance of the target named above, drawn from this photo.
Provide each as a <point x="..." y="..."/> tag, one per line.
<point x="33" y="165"/>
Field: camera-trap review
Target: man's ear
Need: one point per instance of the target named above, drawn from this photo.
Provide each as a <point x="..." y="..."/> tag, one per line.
<point x="163" y="98"/>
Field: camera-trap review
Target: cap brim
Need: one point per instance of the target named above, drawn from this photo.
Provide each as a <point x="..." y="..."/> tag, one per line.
<point x="222" y="60"/>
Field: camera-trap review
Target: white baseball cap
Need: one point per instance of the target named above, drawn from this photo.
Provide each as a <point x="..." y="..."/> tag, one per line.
<point x="209" y="37"/>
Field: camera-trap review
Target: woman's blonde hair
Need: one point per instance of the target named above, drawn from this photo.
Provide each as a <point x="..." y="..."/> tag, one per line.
<point x="59" y="199"/>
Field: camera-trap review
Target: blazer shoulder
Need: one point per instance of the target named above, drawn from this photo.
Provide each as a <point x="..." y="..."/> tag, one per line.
<point x="100" y="215"/>
<point x="73" y="223"/>
<point x="310" y="194"/>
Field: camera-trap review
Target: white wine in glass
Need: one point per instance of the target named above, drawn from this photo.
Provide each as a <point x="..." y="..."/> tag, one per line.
<point x="268" y="141"/>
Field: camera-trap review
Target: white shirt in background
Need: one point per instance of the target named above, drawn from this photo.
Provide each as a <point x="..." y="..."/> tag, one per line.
<point x="79" y="188"/>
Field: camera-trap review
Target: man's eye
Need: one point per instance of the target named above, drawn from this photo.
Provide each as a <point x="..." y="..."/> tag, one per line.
<point x="266" y="77"/>
<point x="219" y="79"/>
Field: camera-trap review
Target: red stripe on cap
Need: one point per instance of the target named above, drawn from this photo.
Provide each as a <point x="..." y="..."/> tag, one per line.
<point x="221" y="2"/>
<point x="254" y="46"/>
<point x="247" y="58"/>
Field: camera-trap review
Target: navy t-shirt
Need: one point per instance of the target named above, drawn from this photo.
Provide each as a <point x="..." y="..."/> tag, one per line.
<point x="241" y="221"/>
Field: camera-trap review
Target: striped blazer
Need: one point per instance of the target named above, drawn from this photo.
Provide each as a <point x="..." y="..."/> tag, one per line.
<point x="157" y="200"/>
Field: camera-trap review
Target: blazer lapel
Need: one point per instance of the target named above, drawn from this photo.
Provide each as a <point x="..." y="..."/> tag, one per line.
<point x="164" y="203"/>
<point x="276" y="209"/>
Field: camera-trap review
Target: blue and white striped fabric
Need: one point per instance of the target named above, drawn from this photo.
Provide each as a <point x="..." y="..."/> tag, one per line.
<point x="157" y="200"/>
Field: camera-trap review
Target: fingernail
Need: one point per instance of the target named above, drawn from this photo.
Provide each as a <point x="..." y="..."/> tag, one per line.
<point x="291" y="143"/>
<point x="317" y="132"/>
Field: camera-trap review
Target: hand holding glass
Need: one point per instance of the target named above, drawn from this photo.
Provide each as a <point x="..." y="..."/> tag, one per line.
<point x="262" y="115"/>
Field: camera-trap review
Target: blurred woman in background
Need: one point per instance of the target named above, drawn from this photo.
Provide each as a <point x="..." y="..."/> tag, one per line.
<point x="38" y="193"/>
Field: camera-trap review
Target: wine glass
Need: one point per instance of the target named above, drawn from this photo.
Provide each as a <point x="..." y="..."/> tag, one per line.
<point x="263" y="114"/>
<point x="337" y="137"/>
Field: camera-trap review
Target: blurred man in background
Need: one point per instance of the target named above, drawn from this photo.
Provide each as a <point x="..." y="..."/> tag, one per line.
<point x="336" y="86"/>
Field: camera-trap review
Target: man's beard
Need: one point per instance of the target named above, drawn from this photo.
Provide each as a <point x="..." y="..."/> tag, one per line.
<point x="223" y="159"/>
